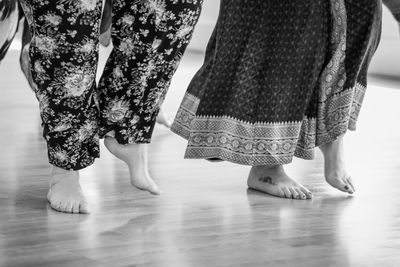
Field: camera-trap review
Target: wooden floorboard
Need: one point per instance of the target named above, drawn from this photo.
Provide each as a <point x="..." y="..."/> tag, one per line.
<point x="206" y="215"/>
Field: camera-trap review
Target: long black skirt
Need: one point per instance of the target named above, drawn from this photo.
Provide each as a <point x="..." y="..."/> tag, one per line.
<point x="279" y="79"/>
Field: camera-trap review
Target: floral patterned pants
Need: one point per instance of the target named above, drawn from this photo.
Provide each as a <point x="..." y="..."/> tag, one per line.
<point x="149" y="38"/>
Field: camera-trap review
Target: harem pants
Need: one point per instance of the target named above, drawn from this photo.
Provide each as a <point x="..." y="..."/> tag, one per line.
<point x="149" y="38"/>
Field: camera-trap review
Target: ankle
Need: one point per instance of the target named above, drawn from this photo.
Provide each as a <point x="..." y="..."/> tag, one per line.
<point x="139" y="152"/>
<point x="57" y="170"/>
<point x="267" y="168"/>
<point x="58" y="174"/>
<point x="337" y="143"/>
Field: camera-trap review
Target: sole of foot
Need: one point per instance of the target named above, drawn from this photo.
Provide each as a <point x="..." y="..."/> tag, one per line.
<point x="336" y="173"/>
<point x="135" y="156"/>
<point x="65" y="193"/>
<point x="273" y="180"/>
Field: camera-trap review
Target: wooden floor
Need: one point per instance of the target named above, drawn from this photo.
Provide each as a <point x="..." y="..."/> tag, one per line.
<point x="206" y="216"/>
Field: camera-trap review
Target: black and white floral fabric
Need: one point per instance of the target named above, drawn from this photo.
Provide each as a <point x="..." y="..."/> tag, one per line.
<point x="149" y="37"/>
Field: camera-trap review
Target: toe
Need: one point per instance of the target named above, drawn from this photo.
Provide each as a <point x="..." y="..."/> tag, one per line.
<point x="286" y="191"/>
<point x="339" y="184"/>
<point x="146" y="184"/>
<point x="83" y="208"/>
<point x="69" y="207"/>
<point x="281" y="193"/>
<point x="295" y="195"/>
<point x="155" y="190"/>
<point x="306" y="192"/>
<point x="55" y="205"/>
<point x="350" y="182"/>
<point x="63" y="206"/>
<point x="75" y="207"/>
<point x="348" y="188"/>
<point x="301" y="193"/>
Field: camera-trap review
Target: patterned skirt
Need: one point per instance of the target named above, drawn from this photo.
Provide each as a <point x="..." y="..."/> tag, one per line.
<point x="279" y="79"/>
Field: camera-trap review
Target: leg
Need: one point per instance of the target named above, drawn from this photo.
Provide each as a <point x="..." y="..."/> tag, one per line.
<point x="335" y="169"/>
<point x="63" y="58"/>
<point x="359" y="27"/>
<point x="163" y="119"/>
<point x="149" y="40"/>
<point x="273" y="180"/>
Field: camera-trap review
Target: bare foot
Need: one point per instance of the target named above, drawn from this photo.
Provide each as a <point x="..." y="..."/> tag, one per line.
<point x="335" y="169"/>
<point x="65" y="193"/>
<point x="163" y="119"/>
<point x="135" y="156"/>
<point x="273" y="180"/>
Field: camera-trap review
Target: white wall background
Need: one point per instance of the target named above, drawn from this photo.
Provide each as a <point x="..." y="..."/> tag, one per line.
<point x="387" y="58"/>
<point x="205" y="25"/>
<point x="385" y="62"/>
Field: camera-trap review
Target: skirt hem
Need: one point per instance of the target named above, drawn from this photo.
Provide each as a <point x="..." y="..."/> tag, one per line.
<point x="263" y="143"/>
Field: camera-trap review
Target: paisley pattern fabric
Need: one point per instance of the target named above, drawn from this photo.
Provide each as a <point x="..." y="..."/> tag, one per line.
<point x="149" y="37"/>
<point x="279" y="78"/>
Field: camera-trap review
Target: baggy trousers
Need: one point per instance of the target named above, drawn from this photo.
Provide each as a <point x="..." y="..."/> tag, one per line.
<point x="149" y="38"/>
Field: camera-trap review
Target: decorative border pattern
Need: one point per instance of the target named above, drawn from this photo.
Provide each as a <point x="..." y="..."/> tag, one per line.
<point x="185" y="115"/>
<point x="338" y="114"/>
<point x="261" y="143"/>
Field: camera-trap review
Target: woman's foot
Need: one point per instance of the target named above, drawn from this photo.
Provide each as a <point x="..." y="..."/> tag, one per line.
<point x="163" y="119"/>
<point x="135" y="156"/>
<point x="65" y="193"/>
<point x="273" y="180"/>
<point x="335" y="169"/>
